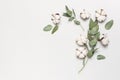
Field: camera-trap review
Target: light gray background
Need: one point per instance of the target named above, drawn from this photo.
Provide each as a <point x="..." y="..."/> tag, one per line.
<point x="28" y="53"/>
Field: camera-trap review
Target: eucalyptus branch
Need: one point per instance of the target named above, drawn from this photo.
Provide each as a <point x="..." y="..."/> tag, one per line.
<point x="83" y="65"/>
<point x="86" y="45"/>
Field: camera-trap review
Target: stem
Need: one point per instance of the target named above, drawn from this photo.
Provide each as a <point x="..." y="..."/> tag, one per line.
<point x="82" y="27"/>
<point x="83" y="66"/>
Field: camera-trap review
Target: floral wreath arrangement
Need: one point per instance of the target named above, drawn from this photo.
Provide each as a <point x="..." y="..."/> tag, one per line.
<point x="87" y="44"/>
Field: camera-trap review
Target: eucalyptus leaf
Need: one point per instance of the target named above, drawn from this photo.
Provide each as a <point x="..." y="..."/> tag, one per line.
<point x="94" y="30"/>
<point x="47" y="28"/>
<point x="71" y="19"/>
<point x="77" y="22"/>
<point x="108" y="25"/>
<point x="69" y="12"/>
<point x="74" y="12"/>
<point x="100" y="57"/>
<point x="97" y="35"/>
<point x="92" y="24"/>
<point x="55" y="29"/>
<point x="90" y="53"/>
<point x="66" y="7"/>
<point x="93" y="42"/>
<point x="66" y="15"/>
<point x="89" y="37"/>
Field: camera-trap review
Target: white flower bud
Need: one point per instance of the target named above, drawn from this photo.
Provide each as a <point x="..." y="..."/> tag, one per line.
<point x="85" y="15"/>
<point x="105" y="40"/>
<point x="81" y="52"/>
<point x="77" y="52"/>
<point x="85" y="51"/>
<point x="56" y="18"/>
<point x="81" y="56"/>
<point x="100" y="15"/>
<point x="81" y="41"/>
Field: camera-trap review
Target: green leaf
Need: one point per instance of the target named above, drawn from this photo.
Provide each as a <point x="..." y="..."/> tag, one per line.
<point x="90" y="53"/>
<point x="47" y="28"/>
<point x="94" y="30"/>
<point x="77" y="22"/>
<point x="89" y="37"/>
<point x="92" y="24"/>
<point x="97" y="35"/>
<point x="69" y="13"/>
<point x="74" y="12"/>
<point x="66" y="15"/>
<point x="100" y="57"/>
<point x="108" y="25"/>
<point x="93" y="42"/>
<point x="54" y="29"/>
<point x="66" y="7"/>
<point x="71" y="19"/>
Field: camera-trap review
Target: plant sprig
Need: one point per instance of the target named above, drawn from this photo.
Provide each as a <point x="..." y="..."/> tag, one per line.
<point x="71" y="15"/>
<point x="89" y="44"/>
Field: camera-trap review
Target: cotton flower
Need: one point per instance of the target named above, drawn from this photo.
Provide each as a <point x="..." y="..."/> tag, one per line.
<point x="81" y="41"/>
<point x="85" y="15"/>
<point x="104" y="40"/>
<point x="56" y="18"/>
<point x="100" y="15"/>
<point x="81" y="53"/>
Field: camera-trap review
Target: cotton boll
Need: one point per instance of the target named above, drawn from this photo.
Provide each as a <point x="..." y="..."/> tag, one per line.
<point x="56" y="18"/>
<point x="97" y="15"/>
<point x="103" y="13"/>
<point x="85" y="52"/>
<point x="84" y="39"/>
<point x="101" y="18"/>
<point x="100" y="15"/>
<point x="84" y="15"/>
<point x="105" y="41"/>
<point x="81" y="41"/>
<point x="77" y="52"/>
<point x="81" y="56"/>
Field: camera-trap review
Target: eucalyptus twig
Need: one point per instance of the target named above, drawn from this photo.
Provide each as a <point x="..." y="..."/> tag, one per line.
<point x="83" y="66"/>
<point x="82" y="27"/>
<point x="86" y="45"/>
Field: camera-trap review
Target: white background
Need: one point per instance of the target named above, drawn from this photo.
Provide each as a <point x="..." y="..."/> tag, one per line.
<point x="28" y="53"/>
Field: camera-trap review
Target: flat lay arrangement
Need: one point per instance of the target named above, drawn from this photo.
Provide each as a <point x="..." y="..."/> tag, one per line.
<point x="86" y="43"/>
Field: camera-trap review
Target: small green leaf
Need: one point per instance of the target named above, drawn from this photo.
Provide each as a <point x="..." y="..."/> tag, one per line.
<point x="74" y="12"/>
<point x="100" y="57"/>
<point x="92" y="24"/>
<point x="77" y="22"/>
<point x="47" y="28"/>
<point x="108" y="25"/>
<point x="94" y="30"/>
<point x="69" y="12"/>
<point x="93" y="42"/>
<point x="89" y="37"/>
<point x="66" y="15"/>
<point x="66" y="7"/>
<point x="71" y="19"/>
<point x="54" y="29"/>
<point x="97" y="35"/>
<point x="90" y="53"/>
